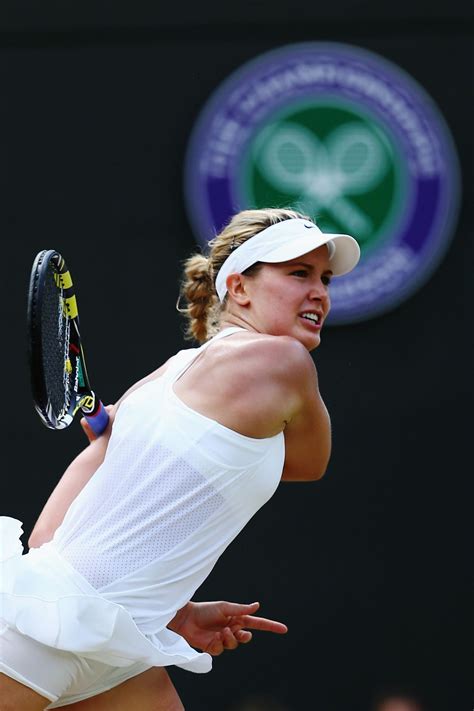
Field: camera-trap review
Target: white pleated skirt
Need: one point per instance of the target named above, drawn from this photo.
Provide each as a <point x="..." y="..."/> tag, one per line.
<point x="44" y="601"/>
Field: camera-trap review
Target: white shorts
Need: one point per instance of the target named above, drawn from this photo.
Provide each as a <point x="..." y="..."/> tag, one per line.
<point x="62" y="677"/>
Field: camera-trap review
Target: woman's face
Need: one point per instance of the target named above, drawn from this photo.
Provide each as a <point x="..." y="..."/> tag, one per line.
<point x="281" y="293"/>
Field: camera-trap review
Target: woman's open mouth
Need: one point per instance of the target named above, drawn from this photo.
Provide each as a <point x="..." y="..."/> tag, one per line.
<point x="312" y="319"/>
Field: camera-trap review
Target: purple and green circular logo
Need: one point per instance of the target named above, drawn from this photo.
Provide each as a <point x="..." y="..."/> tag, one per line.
<point x="348" y="139"/>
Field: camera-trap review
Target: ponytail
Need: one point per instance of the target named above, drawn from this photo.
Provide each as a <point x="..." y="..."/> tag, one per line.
<point x="198" y="289"/>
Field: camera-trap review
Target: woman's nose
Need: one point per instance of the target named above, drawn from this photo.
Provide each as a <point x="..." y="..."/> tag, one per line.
<point x="319" y="291"/>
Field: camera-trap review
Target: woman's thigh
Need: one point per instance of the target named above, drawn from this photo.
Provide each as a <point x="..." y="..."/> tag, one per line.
<point x="32" y="674"/>
<point x="151" y="690"/>
<point x="14" y="696"/>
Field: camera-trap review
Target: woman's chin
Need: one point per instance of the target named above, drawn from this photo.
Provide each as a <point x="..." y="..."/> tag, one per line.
<point x="310" y="342"/>
<point x="316" y="344"/>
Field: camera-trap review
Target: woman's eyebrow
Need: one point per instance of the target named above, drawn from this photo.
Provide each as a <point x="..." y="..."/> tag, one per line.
<point x="308" y="266"/>
<point x="301" y="264"/>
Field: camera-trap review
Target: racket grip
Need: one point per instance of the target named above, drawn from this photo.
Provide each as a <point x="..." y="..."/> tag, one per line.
<point x="99" y="421"/>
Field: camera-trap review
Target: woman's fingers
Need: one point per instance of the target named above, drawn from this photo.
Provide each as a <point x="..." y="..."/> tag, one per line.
<point x="244" y="616"/>
<point x="91" y="436"/>
<point x="228" y="639"/>
<point x="215" y="647"/>
<point x="243" y="636"/>
<point x="262" y="624"/>
<point x="224" y="640"/>
<point x="235" y="609"/>
<point x="239" y="620"/>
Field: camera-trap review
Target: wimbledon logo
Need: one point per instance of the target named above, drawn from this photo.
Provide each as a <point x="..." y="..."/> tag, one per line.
<point x="346" y="138"/>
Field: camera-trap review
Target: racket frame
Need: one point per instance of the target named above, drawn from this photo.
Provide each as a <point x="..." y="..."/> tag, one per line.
<point x="81" y="396"/>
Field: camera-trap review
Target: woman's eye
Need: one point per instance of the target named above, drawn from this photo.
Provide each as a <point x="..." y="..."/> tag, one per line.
<point x="326" y="278"/>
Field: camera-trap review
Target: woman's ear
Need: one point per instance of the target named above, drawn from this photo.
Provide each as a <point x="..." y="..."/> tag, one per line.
<point x="236" y="287"/>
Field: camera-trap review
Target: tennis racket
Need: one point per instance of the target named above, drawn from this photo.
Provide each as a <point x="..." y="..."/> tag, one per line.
<point x="59" y="379"/>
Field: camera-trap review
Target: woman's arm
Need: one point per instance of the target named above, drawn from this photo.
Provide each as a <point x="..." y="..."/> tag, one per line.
<point x="71" y="483"/>
<point x="79" y="472"/>
<point x="308" y="427"/>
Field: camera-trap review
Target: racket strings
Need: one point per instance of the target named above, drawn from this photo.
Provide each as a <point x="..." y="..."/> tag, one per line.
<point x="55" y="329"/>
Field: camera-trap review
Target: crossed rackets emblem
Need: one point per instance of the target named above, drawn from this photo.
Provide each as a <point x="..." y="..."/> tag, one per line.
<point x="325" y="175"/>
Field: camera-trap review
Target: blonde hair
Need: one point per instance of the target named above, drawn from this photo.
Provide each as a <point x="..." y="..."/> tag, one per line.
<point x="203" y="310"/>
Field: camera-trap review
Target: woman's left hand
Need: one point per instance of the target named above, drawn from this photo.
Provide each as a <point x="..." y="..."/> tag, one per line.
<point x="215" y="626"/>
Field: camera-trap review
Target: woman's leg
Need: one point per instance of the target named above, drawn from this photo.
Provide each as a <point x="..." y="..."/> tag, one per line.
<point x="151" y="690"/>
<point x="15" y="696"/>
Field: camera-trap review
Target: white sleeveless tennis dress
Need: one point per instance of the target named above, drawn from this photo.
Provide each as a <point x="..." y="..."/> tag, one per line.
<point x="174" y="490"/>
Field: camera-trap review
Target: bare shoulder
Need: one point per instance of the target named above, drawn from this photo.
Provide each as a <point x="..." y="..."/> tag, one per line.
<point x="281" y="362"/>
<point x="293" y="358"/>
<point x="278" y="356"/>
<point x="295" y="371"/>
<point x="267" y="375"/>
<point x="278" y="376"/>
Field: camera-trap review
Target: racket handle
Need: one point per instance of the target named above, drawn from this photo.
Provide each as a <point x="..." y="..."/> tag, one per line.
<point x="99" y="420"/>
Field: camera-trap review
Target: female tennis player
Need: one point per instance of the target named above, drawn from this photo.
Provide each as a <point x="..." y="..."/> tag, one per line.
<point x="102" y="603"/>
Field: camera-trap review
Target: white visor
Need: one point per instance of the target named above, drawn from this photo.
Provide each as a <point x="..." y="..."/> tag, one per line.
<point x="287" y="240"/>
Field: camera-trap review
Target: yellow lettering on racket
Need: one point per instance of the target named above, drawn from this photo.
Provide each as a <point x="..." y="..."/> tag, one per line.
<point x="64" y="281"/>
<point x="70" y="307"/>
<point x="68" y="366"/>
<point x="87" y="402"/>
